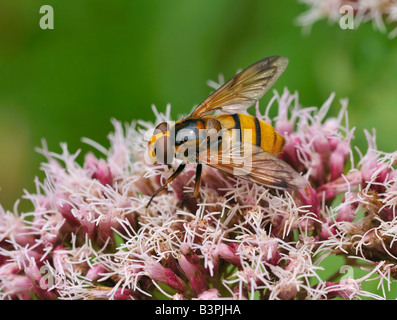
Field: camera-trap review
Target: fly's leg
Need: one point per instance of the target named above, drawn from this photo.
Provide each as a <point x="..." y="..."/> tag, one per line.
<point x="170" y="179"/>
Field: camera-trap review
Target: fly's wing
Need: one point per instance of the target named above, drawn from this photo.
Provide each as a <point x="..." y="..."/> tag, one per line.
<point x="254" y="164"/>
<point x="244" y="89"/>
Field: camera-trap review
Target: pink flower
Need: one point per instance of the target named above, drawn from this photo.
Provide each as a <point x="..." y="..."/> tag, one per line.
<point x="190" y="265"/>
<point x="157" y="272"/>
<point x="99" y="169"/>
<point x="348" y="209"/>
<point x="229" y="252"/>
<point x="94" y="273"/>
<point x="91" y="235"/>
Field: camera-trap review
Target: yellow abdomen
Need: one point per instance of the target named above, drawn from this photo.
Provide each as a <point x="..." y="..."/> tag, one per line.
<point x="253" y="130"/>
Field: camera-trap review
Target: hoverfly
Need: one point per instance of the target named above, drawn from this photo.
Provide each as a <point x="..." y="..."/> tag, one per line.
<point x="229" y="140"/>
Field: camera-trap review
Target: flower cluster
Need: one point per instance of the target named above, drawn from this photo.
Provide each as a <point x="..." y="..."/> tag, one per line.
<point x="91" y="236"/>
<point x="380" y="12"/>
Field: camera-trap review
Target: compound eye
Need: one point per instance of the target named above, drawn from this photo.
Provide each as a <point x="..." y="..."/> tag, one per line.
<point x="185" y="135"/>
<point x="163" y="150"/>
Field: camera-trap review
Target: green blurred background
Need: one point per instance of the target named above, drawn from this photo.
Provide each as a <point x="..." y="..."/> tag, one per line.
<point x="113" y="59"/>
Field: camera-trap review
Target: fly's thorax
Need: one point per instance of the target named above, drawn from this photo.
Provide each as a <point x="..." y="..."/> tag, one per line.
<point x="189" y="135"/>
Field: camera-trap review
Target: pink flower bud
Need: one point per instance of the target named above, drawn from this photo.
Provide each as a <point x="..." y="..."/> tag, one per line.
<point x="289" y="153"/>
<point x="321" y="144"/>
<point x="338" y="186"/>
<point x="87" y="220"/>
<point x="8" y="268"/>
<point x="382" y="174"/>
<point x="61" y="259"/>
<point x="229" y="253"/>
<point x="94" y="273"/>
<point x="333" y="142"/>
<point x="326" y="232"/>
<point x="318" y="173"/>
<point x="212" y="260"/>
<point x="65" y="208"/>
<point x="308" y="197"/>
<point x="126" y="294"/>
<point x="39" y="283"/>
<point x="103" y="173"/>
<point x="284" y="126"/>
<point x="106" y="224"/>
<point x="99" y="169"/>
<point x="338" y="159"/>
<point x="348" y="208"/>
<point x="157" y="272"/>
<point x="19" y="234"/>
<point x="345" y="289"/>
<point x="17" y="287"/>
<point x="369" y="166"/>
<point x="196" y="277"/>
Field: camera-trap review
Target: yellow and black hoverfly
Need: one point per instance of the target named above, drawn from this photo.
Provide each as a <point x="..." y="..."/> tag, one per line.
<point x="221" y="134"/>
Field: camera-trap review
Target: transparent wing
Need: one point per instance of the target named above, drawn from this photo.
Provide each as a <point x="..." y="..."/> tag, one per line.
<point x="244" y="89"/>
<point x="254" y="164"/>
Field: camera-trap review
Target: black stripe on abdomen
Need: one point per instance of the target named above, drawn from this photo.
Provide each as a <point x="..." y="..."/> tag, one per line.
<point x="237" y="125"/>
<point x="258" y="135"/>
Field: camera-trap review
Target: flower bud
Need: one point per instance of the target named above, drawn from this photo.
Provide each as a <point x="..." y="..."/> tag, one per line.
<point x="87" y="220"/>
<point x="193" y="272"/>
<point x="289" y="153"/>
<point x="229" y="253"/>
<point x="326" y="232"/>
<point x="348" y="208"/>
<point x="308" y="197"/>
<point x="39" y="283"/>
<point x="65" y="208"/>
<point x="17" y="286"/>
<point x="338" y="159"/>
<point x="164" y="275"/>
<point x="99" y="169"/>
<point x="94" y="273"/>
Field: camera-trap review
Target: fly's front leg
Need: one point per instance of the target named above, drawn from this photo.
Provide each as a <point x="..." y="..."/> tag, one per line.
<point x="170" y="179"/>
<point x="197" y="182"/>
